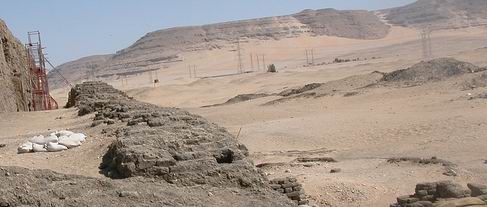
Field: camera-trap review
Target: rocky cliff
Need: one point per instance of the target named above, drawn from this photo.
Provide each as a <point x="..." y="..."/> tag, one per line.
<point x="15" y="80"/>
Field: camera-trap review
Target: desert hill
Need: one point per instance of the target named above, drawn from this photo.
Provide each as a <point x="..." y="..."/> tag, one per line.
<point x="80" y="69"/>
<point x="165" y="46"/>
<point x="169" y="48"/>
<point x="440" y="13"/>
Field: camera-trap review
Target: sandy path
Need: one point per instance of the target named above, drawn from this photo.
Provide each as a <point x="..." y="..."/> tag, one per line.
<point x="20" y="127"/>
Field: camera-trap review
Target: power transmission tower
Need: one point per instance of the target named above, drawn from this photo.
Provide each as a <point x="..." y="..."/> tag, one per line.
<point x="312" y="56"/>
<point x="307" y="57"/>
<point x="189" y="70"/>
<point x="252" y="61"/>
<point x="426" y="43"/>
<point x="240" y="64"/>
<point x="258" y="62"/>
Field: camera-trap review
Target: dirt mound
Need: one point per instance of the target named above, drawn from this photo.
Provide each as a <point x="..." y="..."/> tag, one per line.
<point x="47" y="188"/>
<point x="303" y="89"/>
<point x="241" y="98"/>
<point x="169" y="145"/>
<point x="430" y="71"/>
<point x="476" y="82"/>
<point x="347" y="87"/>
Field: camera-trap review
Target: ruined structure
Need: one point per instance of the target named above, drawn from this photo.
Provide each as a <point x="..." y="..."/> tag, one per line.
<point x="15" y="77"/>
<point x="444" y="194"/>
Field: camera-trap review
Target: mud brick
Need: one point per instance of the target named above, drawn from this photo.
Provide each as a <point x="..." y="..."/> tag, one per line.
<point x="293" y="194"/>
<point x="421" y="193"/>
<point x="426" y="186"/>
<point x="280" y="190"/>
<point x="297" y="188"/>
<point x="275" y="186"/>
<point x="428" y="198"/>
<point x="290" y="185"/>
<point x="288" y="190"/>
<point x="281" y="181"/>
<point x="303" y="202"/>
<point x="406" y="200"/>
<point x="293" y="180"/>
<point x="294" y="198"/>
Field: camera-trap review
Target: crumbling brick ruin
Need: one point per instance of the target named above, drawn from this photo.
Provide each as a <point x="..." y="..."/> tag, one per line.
<point x="444" y="193"/>
<point x="162" y="157"/>
<point x="167" y="144"/>
<point x="15" y="77"/>
<point x="291" y="188"/>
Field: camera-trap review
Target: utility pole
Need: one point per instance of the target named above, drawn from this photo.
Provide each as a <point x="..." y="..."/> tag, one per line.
<point x="240" y="64"/>
<point x="263" y="62"/>
<point x="194" y="71"/>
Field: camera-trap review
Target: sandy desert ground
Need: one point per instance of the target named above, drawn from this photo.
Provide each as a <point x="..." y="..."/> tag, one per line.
<point x="361" y="132"/>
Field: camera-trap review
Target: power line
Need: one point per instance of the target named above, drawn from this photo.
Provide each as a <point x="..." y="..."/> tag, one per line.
<point x="58" y="72"/>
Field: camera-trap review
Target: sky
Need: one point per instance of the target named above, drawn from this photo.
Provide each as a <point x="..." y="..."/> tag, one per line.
<point x="72" y="29"/>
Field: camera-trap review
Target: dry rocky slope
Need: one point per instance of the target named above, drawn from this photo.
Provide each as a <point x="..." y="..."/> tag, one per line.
<point x="439" y="13"/>
<point x="15" y="79"/>
<point x="162" y="157"/>
<point x="166" y="46"/>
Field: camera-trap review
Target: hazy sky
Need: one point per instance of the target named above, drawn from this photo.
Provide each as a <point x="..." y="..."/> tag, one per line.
<point x="74" y="29"/>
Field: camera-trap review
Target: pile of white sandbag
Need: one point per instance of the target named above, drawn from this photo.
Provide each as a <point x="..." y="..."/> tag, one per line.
<point x="55" y="142"/>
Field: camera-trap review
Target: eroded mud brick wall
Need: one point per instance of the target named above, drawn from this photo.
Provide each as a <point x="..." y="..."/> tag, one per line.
<point x="168" y="144"/>
<point x="15" y="79"/>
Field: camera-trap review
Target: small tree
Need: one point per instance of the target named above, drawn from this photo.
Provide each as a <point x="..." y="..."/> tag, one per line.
<point x="271" y="68"/>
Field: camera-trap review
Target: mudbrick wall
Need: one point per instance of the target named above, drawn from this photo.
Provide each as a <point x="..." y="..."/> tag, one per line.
<point x="170" y="146"/>
<point x="161" y="157"/>
<point x="15" y="79"/>
<point x="444" y="194"/>
<point x="291" y="188"/>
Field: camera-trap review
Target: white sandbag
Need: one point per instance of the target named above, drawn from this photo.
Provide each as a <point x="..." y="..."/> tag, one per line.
<point x="55" y="147"/>
<point x="41" y="140"/>
<point x="38" y="140"/>
<point x="38" y="148"/>
<point x="64" y="133"/>
<point x="25" y="148"/>
<point x="69" y="142"/>
<point x="78" y="136"/>
<point x="51" y="139"/>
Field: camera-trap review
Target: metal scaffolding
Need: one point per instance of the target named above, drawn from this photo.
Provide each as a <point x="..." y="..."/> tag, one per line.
<point x="41" y="99"/>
